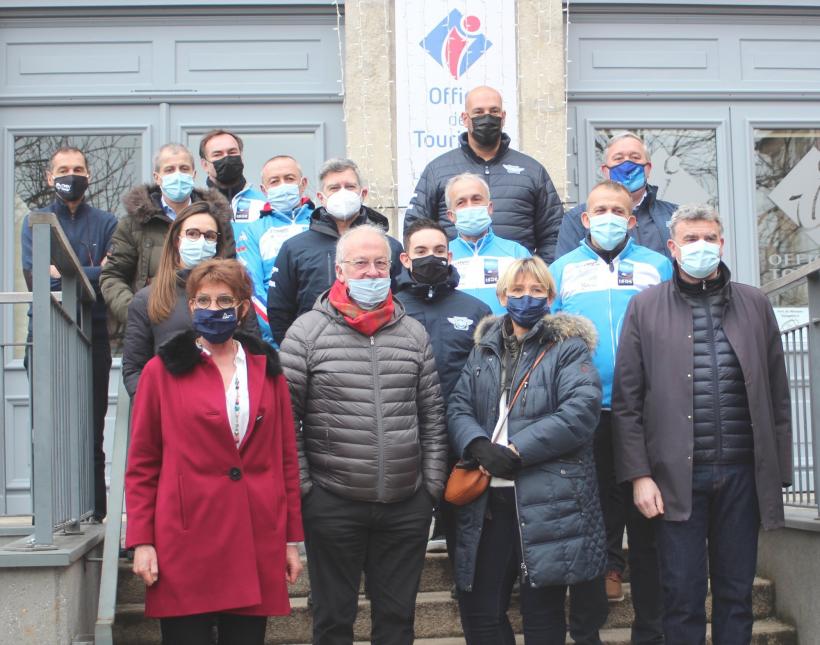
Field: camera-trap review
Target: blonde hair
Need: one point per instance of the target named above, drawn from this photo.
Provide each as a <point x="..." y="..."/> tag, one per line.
<point x="533" y="266"/>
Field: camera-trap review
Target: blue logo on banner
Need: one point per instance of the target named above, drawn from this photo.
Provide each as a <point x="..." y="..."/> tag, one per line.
<point x="456" y="43"/>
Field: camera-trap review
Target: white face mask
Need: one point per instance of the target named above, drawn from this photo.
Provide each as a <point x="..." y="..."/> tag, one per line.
<point x="344" y="204"/>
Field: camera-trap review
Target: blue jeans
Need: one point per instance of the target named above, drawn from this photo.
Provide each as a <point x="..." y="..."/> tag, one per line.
<point x="723" y="526"/>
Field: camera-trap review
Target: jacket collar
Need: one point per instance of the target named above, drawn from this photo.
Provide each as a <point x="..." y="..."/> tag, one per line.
<point x="476" y="247"/>
<point x="406" y="282"/>
<point x="180" y="353"/>
<point x="60" y="209"/>
<point x="143" y="203"/>
<point x="467" y="150"/>
<point x="552" y="328"/>
<point x="323" y="222"/>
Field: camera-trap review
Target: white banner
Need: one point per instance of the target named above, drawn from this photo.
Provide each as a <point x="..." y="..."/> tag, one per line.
<point x="443" y="50"/>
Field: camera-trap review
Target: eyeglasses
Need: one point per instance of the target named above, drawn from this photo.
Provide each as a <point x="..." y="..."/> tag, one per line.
<point x="360" y="264"/>
<point x="194" y="234"/>
<point x="223" y="301"/>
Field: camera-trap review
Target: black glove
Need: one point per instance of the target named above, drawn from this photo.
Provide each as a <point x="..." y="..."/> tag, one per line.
<point x="498" y="460"/>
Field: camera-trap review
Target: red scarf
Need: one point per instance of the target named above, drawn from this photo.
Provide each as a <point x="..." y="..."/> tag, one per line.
<point x="363" y="321"/>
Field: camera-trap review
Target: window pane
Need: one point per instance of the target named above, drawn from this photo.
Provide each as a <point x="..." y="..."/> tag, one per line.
<point x="787" y="176"/>
<point x="114" y="162"/>
<point x="684" y="162"/>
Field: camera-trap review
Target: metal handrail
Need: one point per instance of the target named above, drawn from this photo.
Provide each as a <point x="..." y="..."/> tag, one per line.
<point x="107" y="605"/>
<point x="798" y="371"/>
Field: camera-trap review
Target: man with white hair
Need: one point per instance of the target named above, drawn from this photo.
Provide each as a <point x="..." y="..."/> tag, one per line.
<point x="371" y="440"/>
<point x="626" y="161"/>
<point x="702" y="429"/>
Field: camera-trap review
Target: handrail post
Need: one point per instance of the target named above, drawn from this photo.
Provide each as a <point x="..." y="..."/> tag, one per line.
<point x="42" y="421"/>
<point x="813" y="284"/>
<point x="70" y="286"/>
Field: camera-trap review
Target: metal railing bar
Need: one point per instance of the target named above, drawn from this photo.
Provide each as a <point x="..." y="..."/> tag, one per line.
<point x="790" y="279"/>
<point x="62" y="255"/>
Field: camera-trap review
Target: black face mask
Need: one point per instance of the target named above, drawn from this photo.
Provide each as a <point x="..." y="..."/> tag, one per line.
<point x="486" y="129"/>
<point x="71" y="188"/>
<point x="229" y="169"/>
<point x="431" y="269"/>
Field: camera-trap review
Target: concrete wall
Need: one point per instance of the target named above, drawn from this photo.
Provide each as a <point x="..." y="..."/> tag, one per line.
<point x="369" y="75"/>
<point x="791" y="558"/>
<point x="51" y="605"/>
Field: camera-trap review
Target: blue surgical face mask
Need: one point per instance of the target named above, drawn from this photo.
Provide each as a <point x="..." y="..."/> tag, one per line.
<point x="177" y="186"/>
<point x="630" y="174"/>
<point x="368" y="293"/>
<point x="473" y="221"/>
<point x="527" y="310"/>
<point x="699" y="259"/>
<point x="215" y="325"/>
<point x="284" y="197"/>
<point x="607" y="230"/>
<point x="192" y="252"/>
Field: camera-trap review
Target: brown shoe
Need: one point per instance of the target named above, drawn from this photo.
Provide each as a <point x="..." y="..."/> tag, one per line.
<point x="614" y="587"/>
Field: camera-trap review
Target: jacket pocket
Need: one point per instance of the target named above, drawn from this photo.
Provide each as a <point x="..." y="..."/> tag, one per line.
<point x="181" y="491"/>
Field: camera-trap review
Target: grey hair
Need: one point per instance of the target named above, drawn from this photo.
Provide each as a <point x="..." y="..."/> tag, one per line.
<point x="341" y="245"/>
<point x="463" y="177"/>
<point x="694" y="213"/>
<point x="625" y="134"/>
<point x="174" y="149"/>
<point x="339" y="165"/>
<point x="276" y="158"/>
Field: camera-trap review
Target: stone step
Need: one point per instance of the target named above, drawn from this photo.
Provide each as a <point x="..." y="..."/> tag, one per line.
<point x="436" y="617"/>
<point x="436" y="576"/>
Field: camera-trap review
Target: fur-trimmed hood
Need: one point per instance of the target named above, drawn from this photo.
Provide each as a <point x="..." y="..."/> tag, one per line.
<point x="142" y="202"/>
<point x="553" y="328"/>
<point x="180" y="354"/>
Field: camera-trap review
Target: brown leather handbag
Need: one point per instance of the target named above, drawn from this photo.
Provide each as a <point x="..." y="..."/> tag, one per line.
<point x="466" y="481"/>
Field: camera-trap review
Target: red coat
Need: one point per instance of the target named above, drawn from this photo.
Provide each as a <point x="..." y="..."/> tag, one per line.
<point x="218" y="517"/>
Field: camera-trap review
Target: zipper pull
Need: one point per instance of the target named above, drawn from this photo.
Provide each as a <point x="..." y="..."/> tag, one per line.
<point x="524" y="399"/>
<point x="372" y="341"/>
<point x="486" y="169"/>
<point x="477" y="371"/>
<point x="611" y="267"/>
<point x="430" y="293"/>
<point x="523" y="571"/>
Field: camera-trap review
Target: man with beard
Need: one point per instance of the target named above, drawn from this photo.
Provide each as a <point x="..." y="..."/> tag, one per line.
<point x="527" y="207"/>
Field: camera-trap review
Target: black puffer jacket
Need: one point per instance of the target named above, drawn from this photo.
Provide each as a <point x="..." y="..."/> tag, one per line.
<point x="526" y="207"/>
<point x="138" y="239"/>
<point x="306" y="266"/>
<point x="552" y="426"/>
<point x="722" y="423"/>
<point x="368" y="411"/>
<point x="450" y="317"/>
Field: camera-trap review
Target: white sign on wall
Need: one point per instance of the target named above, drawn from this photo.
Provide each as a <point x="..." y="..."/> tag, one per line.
<point x="443" y="50"/>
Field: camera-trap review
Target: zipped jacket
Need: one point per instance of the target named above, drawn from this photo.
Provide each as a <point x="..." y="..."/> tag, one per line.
<point x="552" y="426"/>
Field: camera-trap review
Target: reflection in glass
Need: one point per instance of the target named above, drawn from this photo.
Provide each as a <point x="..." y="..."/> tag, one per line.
<point x="787" y="199"/>
<point x="684" y="162"/>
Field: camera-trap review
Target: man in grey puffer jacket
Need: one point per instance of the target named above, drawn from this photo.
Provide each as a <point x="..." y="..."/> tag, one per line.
<point x="370" y="430"/>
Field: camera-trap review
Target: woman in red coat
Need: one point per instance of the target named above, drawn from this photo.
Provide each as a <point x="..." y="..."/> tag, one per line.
<point x="212" y="486"/>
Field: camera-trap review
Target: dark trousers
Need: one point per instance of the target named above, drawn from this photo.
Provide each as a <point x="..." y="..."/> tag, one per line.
<point x="198" y="629"/>
<point x="723" y="527"/>
<point x="100" y="370"/>
<point x="588" y="603"/>
<point x="387" y="541"/>
<point x="484" y="609"/>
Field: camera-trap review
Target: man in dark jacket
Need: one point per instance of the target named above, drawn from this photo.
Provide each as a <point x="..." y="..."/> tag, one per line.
<point x="702" y="425"/>
<point x="527" y="208"/>
<point x="428" y="290"/>
<point x="626" y="161"/>
<point x="89" y="231"/>
<point x="371" y="441"/>
<point x="305" y="265"/>
<point x="138" y="239"/>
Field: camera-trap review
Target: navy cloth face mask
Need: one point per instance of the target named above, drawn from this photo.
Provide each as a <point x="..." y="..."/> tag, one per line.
<point x="215" y="325"/>
<point x="527" y="310"/>
<point x="630" y="174"/>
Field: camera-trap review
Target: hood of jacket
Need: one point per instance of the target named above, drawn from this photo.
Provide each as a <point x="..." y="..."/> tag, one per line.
<point x="323" y="222"/>
<point x="553" y="328"/>
<point x="180" y="354"/>
<point x="143" y="202"/>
